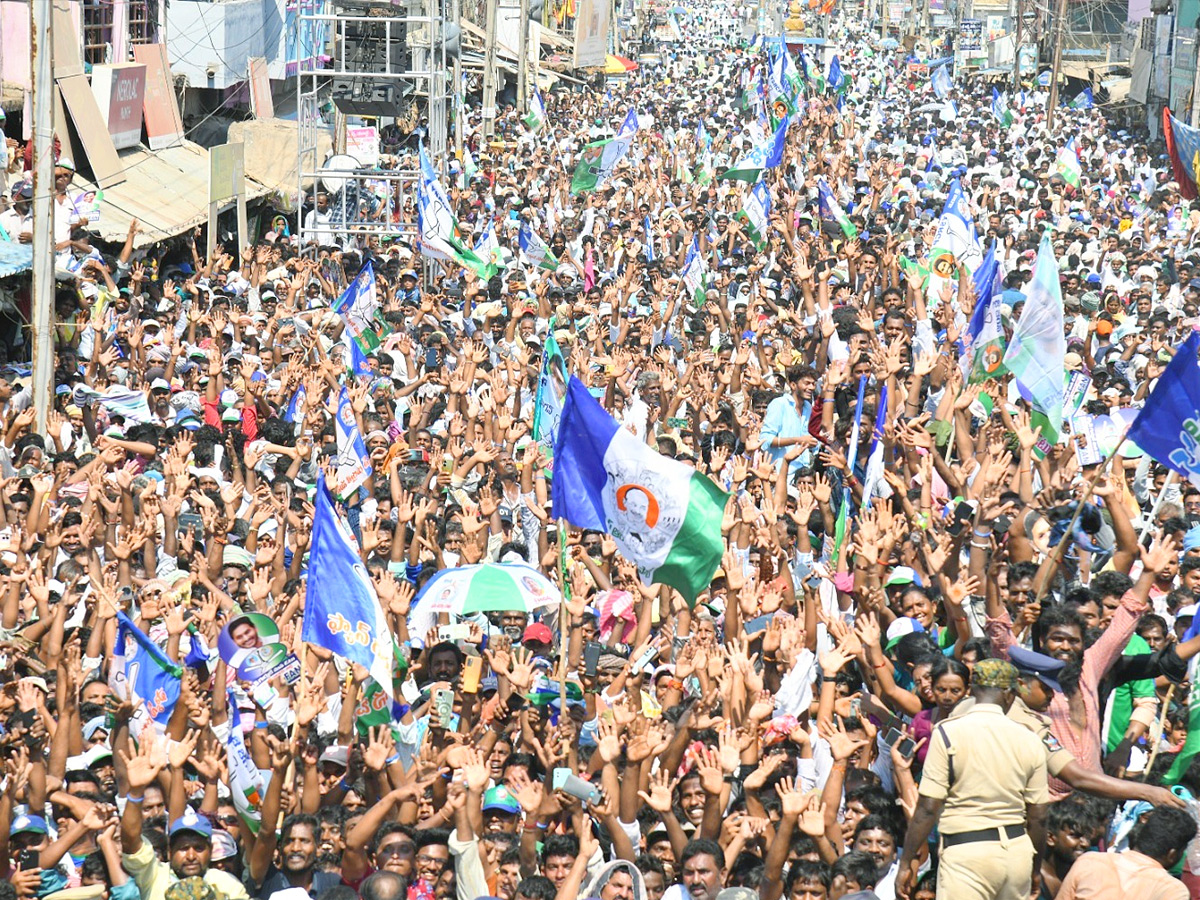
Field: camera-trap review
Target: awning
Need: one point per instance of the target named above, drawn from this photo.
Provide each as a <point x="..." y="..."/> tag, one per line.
<point x="165" y="190"/>
<point x="15" y="258"/>
<point x="271" y="155"/>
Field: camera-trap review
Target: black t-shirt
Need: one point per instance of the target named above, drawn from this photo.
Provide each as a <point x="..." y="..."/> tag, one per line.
<point x="277" y="881"/>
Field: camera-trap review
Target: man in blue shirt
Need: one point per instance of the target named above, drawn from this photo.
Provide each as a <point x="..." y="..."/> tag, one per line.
<point x="786" y="421"/>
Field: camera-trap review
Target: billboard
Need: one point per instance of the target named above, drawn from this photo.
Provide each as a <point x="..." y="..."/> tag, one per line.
<point x="591" y="33"/>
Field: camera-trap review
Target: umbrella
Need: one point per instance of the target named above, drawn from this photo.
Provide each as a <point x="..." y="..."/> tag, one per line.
<point x="487" y="587"/>
<point x="889" y="44"/>
<point x="618" y="65"/>
<point x="678" y="10"/>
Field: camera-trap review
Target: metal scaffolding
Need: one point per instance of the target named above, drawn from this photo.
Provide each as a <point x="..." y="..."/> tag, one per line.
<point x="387" y="63"/>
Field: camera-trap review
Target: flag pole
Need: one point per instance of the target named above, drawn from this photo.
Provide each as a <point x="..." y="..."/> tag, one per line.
<point x="564" y="618"/>
<point x="1158" y="501"/>
<point x="1061" y="547"/>
<point x="1156" y="731"/>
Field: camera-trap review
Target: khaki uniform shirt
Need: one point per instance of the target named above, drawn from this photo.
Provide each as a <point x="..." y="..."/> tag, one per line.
<point x="987" y="768"/>
<point x="1058" y="757"/>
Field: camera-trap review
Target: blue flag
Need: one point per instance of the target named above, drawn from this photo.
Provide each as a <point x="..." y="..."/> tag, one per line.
<point x="984" y="353"/>
<point x="358" y="360"/>
<point x="142" y="674"/>
<point x="649" y="240"/>
<point x="353" y="465"/>
<point x="778" y="142"/>
<point x="342" y="612"/>
<point x="1168" y="427"/>
<point x="630" y="125"/>
<point x="296" y="406"/>
<point x="940" y="81"/>
<point x="836" y="76"/>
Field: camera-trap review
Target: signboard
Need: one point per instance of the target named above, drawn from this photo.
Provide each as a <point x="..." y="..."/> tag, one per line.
<point x="363" y="145"/>
<point x="261" y="103"/>
<point x="970" y="35"/>
<point x="591" y="33"/>
<point x="226" y="181"/>
<point x="226" y="172"/>
<point x="164" y="125"/>
<point x="120" y="90"/>
<point x="995" y="27"/>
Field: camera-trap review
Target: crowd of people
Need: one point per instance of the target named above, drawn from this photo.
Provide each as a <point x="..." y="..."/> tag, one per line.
<point x="963" y="675"/>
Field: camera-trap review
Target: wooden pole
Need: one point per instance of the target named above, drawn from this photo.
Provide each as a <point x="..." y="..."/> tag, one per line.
<point x="1061" y="547"/>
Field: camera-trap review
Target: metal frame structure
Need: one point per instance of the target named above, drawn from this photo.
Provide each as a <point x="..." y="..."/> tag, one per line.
<point x="367" y="197"/>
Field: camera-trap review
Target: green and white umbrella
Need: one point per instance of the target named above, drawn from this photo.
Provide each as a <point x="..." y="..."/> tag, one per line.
<point x="487" y="587"/>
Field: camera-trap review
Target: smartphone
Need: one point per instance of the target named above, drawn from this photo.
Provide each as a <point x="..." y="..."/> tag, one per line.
<point x="906" y="748"/>
<point x="459" y="631"/>
<point x="569" y="783"/>
<point x="892" y="737"/>
<point x="677" y="422"/>
<point x="644" y="660"/>
<point x="443" y="706"/>
<point x="591" y="657"/>
<point x="431" y="358"/>
<point x="417" y="456"/>
<point x="187" y="521"/>
<point x="27" y="859"/>
<point x="471" y="672"/>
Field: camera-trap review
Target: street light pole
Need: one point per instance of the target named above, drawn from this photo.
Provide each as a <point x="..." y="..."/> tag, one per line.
<point x="41" y="52"/>
<point x="489" y="72"/>
<point x="1060" y="19"/>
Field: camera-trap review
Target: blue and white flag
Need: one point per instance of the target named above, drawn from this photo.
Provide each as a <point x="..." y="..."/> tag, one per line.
<point x="777" y="145"/>
<point x="702" y="136"/>
<point x="1000" y="109"/>
<point x="873" y="482"/>
<point x="939" y="80"/>
<point x="535" y="249"/>
<point x="984" y="355"/>
<point x="1168" y="427"/>
<point x="342" y="612"/>
<point x="143" y="675"/>
<point x="630" y="125"/>
<point x="297" y="405"/>
<point x="1083" y="100"/>
<point x="356" y="360"/>
<point x="428" y="173"/>
<point x="360" y="309"/>
<point x="836" y="76"/>
<point x="537" y="112"/>
<point x="1043" y="79"/>
<point x="955" y="242"/>
<point x="663" y="515"/>
<point x="353" y="464"/>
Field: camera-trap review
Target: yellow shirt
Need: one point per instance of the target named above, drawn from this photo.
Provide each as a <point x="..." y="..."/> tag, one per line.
<point x="153" y="877"/>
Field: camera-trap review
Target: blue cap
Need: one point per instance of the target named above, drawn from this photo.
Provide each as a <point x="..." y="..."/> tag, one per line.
<point x="28" y="825"/>
<point x="191" y="822"/>
<point x="501" y="799"/>
<point x="1046" y="668"/>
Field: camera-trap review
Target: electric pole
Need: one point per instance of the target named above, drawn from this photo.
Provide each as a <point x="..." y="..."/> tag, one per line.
<point x="1017" y="46"/>
<point x="1060" y="16"/>
<point x="523" y="60"/>
<point x="460" y="100"/>
<point x="489" y="72"/>
<point x="41" y="52"/>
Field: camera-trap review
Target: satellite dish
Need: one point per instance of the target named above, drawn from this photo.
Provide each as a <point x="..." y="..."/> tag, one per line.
<point x="333" y="173"/>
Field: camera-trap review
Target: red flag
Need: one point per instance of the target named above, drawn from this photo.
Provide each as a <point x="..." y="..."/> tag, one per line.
<point x="1187" y="187"/>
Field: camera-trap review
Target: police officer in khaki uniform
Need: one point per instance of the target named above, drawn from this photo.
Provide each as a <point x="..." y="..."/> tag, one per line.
<point x="984" y="786"/>
<point x="1037" y="682"/>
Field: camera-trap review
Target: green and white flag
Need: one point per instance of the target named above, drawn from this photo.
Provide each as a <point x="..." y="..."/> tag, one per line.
<point x="756" y="213"/>
<point x="537" y="113"/>
<point x="664" y="516"/>
<point x="1035" y="354"/>
<point x="750" y="167"/>
<point x="246" y="783"/>
<point x="597" y="162"/>
<point x="1067" y="164"/>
